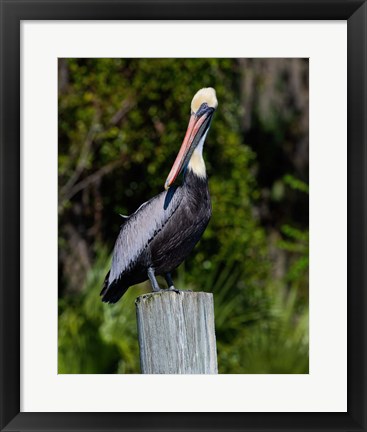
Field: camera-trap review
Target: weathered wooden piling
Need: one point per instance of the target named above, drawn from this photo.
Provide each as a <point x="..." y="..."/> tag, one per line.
<point x="176" y="333"/>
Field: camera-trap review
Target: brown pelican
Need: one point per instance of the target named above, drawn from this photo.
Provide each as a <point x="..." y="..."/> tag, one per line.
<point x="161" y="233"/>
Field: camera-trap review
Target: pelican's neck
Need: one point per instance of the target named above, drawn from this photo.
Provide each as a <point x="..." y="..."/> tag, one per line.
<point x="196" y="163"/>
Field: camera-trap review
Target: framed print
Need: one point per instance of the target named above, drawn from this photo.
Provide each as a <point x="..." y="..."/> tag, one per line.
<point x="95" y="96"/>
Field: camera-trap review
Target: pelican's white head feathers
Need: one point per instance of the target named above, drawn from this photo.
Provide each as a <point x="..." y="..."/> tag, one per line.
<point x="205" y="95"/>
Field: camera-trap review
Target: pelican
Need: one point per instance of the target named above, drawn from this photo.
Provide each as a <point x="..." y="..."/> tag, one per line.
<point x="162" y="232"/>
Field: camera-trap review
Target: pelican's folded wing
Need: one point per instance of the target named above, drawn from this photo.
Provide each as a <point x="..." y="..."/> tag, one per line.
<point x="141" y="228"/>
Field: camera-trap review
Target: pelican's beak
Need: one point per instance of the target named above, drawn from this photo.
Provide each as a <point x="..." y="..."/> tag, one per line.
<point x="197" y="127"/>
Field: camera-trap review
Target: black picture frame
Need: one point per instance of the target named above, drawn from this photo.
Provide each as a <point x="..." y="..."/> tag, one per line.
<point x="12" y="12"/>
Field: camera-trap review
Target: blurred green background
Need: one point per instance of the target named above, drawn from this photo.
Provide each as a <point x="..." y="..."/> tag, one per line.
<point x="121" y="123"/>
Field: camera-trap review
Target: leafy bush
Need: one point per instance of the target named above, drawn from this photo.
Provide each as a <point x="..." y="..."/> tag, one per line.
<point x="121" y="122"/>
<point x="257" y="331"/>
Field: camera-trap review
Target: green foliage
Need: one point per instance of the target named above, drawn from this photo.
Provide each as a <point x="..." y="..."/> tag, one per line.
<point x="121" y="122"/>
<point x="296" y="242"/>
<point x="95" y="337"/>
<point x="257" y="331"/>
<point x="295" y="183"/>
<point x="270" y="336"/>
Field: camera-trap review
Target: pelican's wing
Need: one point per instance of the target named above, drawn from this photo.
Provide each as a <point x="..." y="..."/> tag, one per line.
<point x="140" y="229"/>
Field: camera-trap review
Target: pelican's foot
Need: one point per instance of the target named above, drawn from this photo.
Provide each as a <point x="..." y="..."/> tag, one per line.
<point x="157" y="289"/>
<point x="172" y="288"/>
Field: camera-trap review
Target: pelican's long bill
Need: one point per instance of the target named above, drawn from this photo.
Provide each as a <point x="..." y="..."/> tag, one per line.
<point x="198" y="126"/>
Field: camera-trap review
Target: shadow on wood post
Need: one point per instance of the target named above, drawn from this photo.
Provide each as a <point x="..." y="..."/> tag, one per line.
<point x="176" y="333"/>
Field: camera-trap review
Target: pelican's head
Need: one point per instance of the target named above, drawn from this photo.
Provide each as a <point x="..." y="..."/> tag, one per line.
<point x="204" y="97"/>
<point x="203" y="106"/>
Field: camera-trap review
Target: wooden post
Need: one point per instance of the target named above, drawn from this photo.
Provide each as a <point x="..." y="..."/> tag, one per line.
<point x="176" y="333"/>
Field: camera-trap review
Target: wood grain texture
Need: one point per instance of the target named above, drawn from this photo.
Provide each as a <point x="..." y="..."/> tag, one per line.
<point x="176" y="333"/>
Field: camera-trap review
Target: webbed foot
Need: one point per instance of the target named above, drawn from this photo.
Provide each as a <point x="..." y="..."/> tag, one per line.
<point x="172" y="288"/>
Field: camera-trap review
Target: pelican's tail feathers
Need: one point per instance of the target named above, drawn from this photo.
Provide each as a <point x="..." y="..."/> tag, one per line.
<point x="112" y="292"/>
